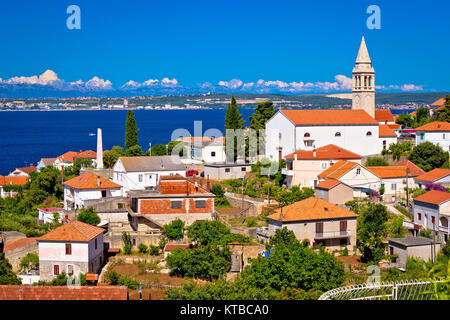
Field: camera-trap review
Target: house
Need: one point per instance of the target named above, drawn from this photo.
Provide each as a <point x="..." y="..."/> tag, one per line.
<point x="143" y="173"/>
<point x="396" y="128"/>
<point x="415" y="247"/>
<point x="387" y="137"/>
<point x="88" y="154"/>
<point x="205" y="149"/>
<point x="44" y="163"/>
<point x="74" y="248"/>
<point x="292" y="130"/>
<point x="171" y="246"/>
<point x="318" y="222"/>
<point x="334" y="191"/>
<point x="223" y="171"/>
<point x="46" y="215"/>
<point x="7" y="185"/>
<point x="65" y="160"/>
<point x="437" y="132"/>
<point x="436" y="176"/>
<point x="394" y="180"/>
<point x="175" y="197"/>
<point x="15" y="250"/>
<point x="353" y="174"/>
<point x="88" y="186"/>
<point x="432" y="211"/>
<point x="413" y="169"/>
<point x="21" y="292"/>
<point x="303" y="167"/>
<point x="384" y="116"/>
<point x="23" y="172"/>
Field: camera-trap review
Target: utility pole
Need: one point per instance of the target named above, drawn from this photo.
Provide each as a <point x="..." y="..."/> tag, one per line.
<point x="407" y="187"/>
<point x="242" y="179"/>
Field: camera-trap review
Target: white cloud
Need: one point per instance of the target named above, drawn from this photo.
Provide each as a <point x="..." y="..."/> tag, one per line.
<point x="232" y="84"/>
<point x="97" y="83"/>
<point x="169" y="82"/>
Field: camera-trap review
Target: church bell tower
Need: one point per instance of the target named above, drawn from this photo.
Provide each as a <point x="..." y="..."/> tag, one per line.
<point x="363" y="87"/>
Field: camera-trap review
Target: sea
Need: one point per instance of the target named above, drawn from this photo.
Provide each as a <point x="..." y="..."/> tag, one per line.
<point x="28" y="136"/>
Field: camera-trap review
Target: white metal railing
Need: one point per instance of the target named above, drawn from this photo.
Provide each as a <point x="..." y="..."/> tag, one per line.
<point x="332" y="234"/>
<point x="287" y="172"/>
<point x="443" y="229"/>
<point x="399" y="290"/>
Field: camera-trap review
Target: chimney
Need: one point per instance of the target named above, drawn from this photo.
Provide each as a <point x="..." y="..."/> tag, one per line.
<point x="207" y="184"/>
<point x="98" y="181"/>
<point x="99" y="149"/>
<point x="314" y="153"/>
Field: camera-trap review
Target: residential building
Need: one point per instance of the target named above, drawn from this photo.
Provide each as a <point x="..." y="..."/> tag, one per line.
<point x="23" y="172"/>
<point x="438" y="133"/>
<point x="74" y="248"/>
<point x="205" y="149"/>
<point x="101" y="293"/>
<point x="6" y="183"/>
<point x="394" y="180"/>
<point x="88" y="186"/>
<point x="432" y="211"/>
<point x="46" y="215"/>
<point x="171" y="246"/>
<point x="45" y="162"/>
<point x="65" y="160"/>
<point x="334" y="191"/>
<point x="17" y="249"/>
<point x="88" y="154"/>
<point x="303" y="167"/>
<point x="224" y="171"/>
<point x="387" y="137"/>
<point x="318" y="222"/>
<point x="435" y="176"/>
<point x="143" y="173"/>
<point x="414" y="247"/>
<point x="176" y="197"/>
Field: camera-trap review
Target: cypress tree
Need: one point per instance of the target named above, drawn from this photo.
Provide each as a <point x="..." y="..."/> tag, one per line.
<point x="263" y="112"/>
<point x="233" y="120"/>
<point x="131" y="131"/>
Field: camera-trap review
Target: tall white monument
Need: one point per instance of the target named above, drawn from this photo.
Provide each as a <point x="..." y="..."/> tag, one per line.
<point x="363" y="88"/>
<point x="99" y="149"/>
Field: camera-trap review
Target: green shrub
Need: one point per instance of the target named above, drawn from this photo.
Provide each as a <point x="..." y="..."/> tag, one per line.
<point x="130" y="283"/>
<point x="344" y="252"/>
<point x="112" y="277"/>
<point x="426" y="233"/>
<point x="153" y="250"/>
<point x="446" y="250"/>
<point x="251" y="222"/>
<point x="142" y="248"/>
<point x="126" y="243"/>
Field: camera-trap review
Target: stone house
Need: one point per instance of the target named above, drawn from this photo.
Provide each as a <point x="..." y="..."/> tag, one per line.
<point x="74" y="248"/>
<point x="17" y="249"/>
<point x="318" y="222"/>
<point x="334" y="191"/>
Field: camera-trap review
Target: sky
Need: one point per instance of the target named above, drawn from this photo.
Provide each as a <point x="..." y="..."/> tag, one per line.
<point x="288" y="46"/>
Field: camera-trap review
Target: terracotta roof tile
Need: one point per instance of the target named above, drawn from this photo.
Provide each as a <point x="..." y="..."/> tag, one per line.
<point x="13" y="292"/>
<point x="394" y="126"/>
<point x="385" y="131"/>
<point x="328" y="152"/>
<point x="413" y="170"/>
<point x="384" y="115"/>
<point x="337" y="170"/>
<point x="48" y="161"/>
<point x="68" y="156"/>
<point x="434" y="197"/>
<point x="13" y="180"/>
<point x="86" y="154"/>
<point x="91" y="180"/>
<point x="18" y="243"/>
<point x="388" y="171"/>
<point x="328" y="184"/>
<point x="28" y="170"/>
<point x="73" y="231"/>
<point x="438" y="103"/>
<point x="154" y="163"/>
<point x="173" y="246"/>
<point x="435" y="126"/>
<point x="434" y="175"/>
<point x="328" y="117"/>
<point x="312" y="208"/>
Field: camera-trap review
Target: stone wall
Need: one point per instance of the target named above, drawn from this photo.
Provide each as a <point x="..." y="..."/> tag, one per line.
<point x="46" y="268"/>
<point x="14" y="256"/>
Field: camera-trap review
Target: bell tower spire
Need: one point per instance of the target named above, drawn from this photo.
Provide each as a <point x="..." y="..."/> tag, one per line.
<point x="363" y="88"/>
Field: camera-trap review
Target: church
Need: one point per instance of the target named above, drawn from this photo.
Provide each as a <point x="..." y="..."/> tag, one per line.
<point x="360" y="130"/>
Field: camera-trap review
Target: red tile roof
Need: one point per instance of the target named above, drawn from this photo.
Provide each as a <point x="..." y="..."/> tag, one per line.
<point x="91" y="180"/>
<point x="13" y="292"/>
<point x="435" y="126"/>
<point x="68" y="156"/>
<point x="434" y="197"/>
<point x="312" y="208"/>
<point x="18" y="243"/>
<point x="173" y="246"/>
<point x="384" y="115"/>
<point x="388" y="171"/>
<point x="385" y="131"/>
<point x="13" y="180"/>
<point x="48" y="161"/>
<point x="328" y="152"/>
<point x="337" y="170"/>
<point x="86" y="154"/>
<point x="413" y="170"/>
<point x="179" y="187"/>
<point x="328" y="117"/>
<point x="28" y="170"/>
<point x="438" y="103"/>
<point x="328" y="184"/>
<point x="51" y="209"/>
<point x="394" y="126"/>
<point x="73" y="231"/>
<point x="434" y="175"/>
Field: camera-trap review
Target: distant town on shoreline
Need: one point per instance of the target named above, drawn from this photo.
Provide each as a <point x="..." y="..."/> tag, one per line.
<point x="216" y="101"/>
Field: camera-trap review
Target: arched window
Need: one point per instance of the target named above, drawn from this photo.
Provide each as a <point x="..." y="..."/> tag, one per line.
<point x="368" y="133"/>
<point x="307" y="135"/>
<point x="337" y="134"/>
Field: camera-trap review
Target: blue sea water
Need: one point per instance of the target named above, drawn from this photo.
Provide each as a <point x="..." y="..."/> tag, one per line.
<point x="28" y="136"/>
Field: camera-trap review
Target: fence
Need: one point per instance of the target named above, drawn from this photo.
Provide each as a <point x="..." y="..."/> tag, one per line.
<point x="399" y="290"/>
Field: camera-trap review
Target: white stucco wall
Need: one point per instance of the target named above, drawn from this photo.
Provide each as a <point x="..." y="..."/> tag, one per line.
<point x="437" y="138"/>
<point x="279" y="124"/>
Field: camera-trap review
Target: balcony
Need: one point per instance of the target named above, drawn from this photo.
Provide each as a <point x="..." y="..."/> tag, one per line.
<point x="287" y="172"/>
<point x="332" y="235"/>
<point x="443" y="229"/>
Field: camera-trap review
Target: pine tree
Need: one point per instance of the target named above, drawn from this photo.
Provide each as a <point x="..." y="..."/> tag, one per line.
<point x="131" y="131"/>
<point x="233" y="120"/>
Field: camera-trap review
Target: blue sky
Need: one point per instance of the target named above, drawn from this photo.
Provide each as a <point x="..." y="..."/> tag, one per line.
<point x="213" y="42"/>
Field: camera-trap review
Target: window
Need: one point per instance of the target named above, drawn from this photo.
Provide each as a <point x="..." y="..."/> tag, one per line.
<point x="343" y="242"/>
<point x="243" y="169"/>
<point x="213" y="154"/>
<point x="95" y="243"/>
<point x="103" y="193"/>
<point x="432" y="220"/>
<point x="368" y="133"/>
<point x="176" y="204"/>
<point x="140" y="178"/>
<point x="227" y="169"/>
<point x="358" y="171"/>
<point x="391" y="251"/>
<point x="279" y="135"/>
<point x="419" y="216"/>
<point x="70" y="269"/>
<point x="337" y="134"/>
<point x="200" y="203"/>
<point x="324" y="165"/>
<point x="134" y="242"/>
<point x="421" y="136"/>
<point x="307" y="135"/>
<point x="343" y="226"/>
<point x="56" y="269"/>
<point x="68" y="248"/>
<point x="319" y="227"/>
<point x="393" y="186"/>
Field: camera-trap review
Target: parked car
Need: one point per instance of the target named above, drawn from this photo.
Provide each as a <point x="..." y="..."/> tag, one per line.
<point x="191" y="173"/>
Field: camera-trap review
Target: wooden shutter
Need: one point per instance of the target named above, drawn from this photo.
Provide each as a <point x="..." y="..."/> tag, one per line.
<point x="56" y="269"/>
<point x="319" y="227"/>
<point x="343" y="226"/>
<point x="68" y="248"/>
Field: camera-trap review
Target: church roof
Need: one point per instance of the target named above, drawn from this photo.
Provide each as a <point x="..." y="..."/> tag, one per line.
<point x="363" y="53"/>
<point x="329" y="117"/>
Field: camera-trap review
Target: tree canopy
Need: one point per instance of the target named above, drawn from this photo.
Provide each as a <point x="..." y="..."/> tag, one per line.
<point x="233" y="120"/>
<point x="7" y="276"/>
<point x="428" y="156"/>
<point x="89" y="216"/>
<point x="376" y="161"/>
<point x="174" y="230"/>
<point x="131" y="131"/>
